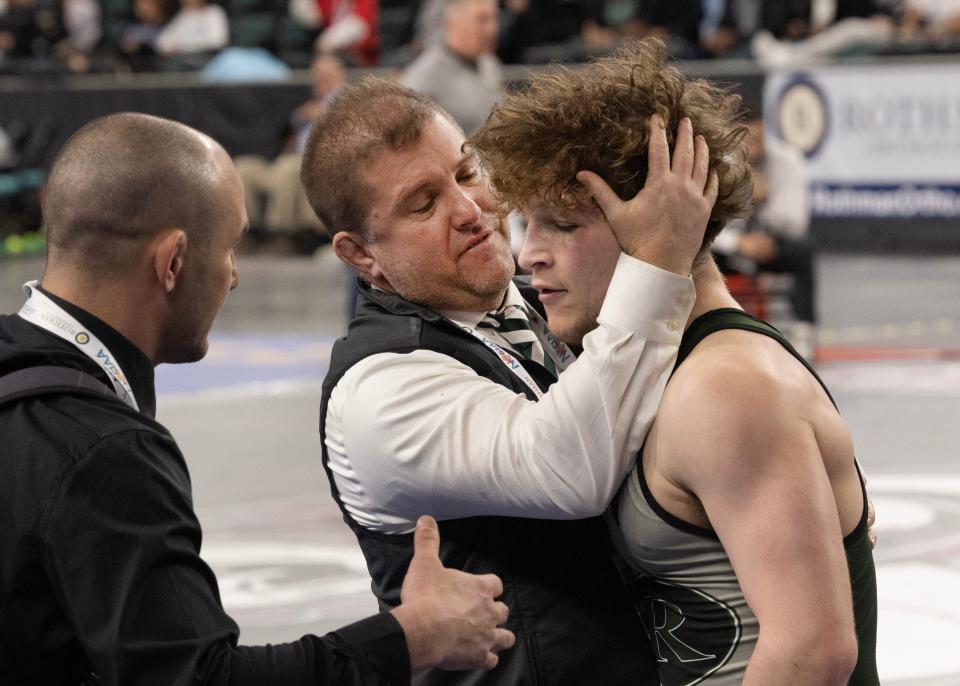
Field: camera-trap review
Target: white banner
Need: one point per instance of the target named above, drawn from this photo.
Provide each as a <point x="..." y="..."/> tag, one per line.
<point x="880" y="141"/>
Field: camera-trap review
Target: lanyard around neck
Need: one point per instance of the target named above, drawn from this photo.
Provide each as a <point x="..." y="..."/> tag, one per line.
<point x="41" y="311"/>
<point x="558" y="351"/>
<point x="511" y="362"/>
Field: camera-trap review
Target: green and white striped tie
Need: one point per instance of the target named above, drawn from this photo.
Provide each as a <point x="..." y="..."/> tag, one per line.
<point x="514" y="328"/>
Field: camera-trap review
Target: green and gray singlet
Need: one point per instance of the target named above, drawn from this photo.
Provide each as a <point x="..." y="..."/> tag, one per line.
<point x="682" y="582"/>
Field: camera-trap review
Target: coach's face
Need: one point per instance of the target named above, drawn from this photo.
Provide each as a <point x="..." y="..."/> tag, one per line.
<point x="435" y="235"/>
<point x="571" y="257"/>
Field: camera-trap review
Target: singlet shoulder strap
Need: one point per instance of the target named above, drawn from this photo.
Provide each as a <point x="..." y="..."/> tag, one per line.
<point x="44" y="380"/>
<point x="732" y="318"/>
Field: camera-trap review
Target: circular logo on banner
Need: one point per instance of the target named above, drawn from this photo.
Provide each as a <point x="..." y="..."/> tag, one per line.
<point x="803" y="118"/>
<point x="82" y="338"/>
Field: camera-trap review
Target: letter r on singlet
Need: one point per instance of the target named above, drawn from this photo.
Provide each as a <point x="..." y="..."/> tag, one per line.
<point x="667" y="619"/>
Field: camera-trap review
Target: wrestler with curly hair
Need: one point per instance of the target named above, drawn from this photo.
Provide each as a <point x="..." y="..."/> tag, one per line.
<point x="744" y="522"/>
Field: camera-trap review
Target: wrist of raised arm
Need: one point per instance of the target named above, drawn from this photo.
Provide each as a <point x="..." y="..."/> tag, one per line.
<point x="645" y="299"/>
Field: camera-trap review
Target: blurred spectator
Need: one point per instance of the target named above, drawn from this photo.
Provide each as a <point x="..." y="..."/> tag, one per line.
<point x="199" y="27"/>
<point x="817" y="29"/>
<point x="775" y="238"/>
<point x="727" y="26"/>
<point x="428" y="29"/>
<point x="327" y="76"/>
<point x="26" y="30"/>
<point x="562" y="29"/>
<point x="347" y="27"/>
<point x="931" y="19"/>
<point x="138" y="42"/>
<point x="462" y="74"/>
<point x="8" y="151"/>
<point x="717" y="38"/>
<point x="82" y="24"/>
<point x="675" y="22"/>
<point x="274" y="196"/>
<point x="83" y="28"/>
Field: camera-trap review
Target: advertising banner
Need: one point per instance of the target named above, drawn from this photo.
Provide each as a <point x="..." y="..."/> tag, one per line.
<point x="880" y="141"/>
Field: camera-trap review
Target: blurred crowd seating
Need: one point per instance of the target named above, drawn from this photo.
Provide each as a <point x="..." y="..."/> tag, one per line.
<point x="57" y="36"/>
<point x="210" y="42"/>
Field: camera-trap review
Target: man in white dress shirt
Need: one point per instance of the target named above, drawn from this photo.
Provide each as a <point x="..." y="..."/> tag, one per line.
<point x="441" y="399"/>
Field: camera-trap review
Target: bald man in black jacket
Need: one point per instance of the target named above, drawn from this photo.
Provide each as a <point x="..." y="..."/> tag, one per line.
<point x="101" y="581"/>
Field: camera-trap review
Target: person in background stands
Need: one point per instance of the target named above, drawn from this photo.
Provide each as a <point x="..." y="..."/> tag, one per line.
<point x="462" y="75"/>
<point x="199" y="27"/>
<point x="82" y="28"/>
<point x="775" y="238"/>
<point x="535" y="30"/>
<point x="275" y="198"/>
<point x="349" y="28"/>
<point x="931" y="20"/>
<point x="138" y="43"/>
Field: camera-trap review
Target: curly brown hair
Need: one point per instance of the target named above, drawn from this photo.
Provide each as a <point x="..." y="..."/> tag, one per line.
<point x="596" y="118"/>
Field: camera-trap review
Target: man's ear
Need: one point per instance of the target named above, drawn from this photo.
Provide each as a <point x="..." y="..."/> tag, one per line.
<point x="352" y="250"/>
<point x="169" y="252"/>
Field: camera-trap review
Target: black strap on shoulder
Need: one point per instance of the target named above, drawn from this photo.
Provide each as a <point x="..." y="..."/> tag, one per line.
<point x="732" y="318"/>
<point x="45" y="380"/>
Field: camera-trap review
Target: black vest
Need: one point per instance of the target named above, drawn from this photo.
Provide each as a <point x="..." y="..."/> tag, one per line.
<point x="573" y="620"/>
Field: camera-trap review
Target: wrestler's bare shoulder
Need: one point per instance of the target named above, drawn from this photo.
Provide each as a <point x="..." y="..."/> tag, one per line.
<point x="736" y="403"/>
<point x="736" y="366"/>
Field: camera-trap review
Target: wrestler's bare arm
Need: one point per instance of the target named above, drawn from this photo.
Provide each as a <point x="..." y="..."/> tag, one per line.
<point x="739" y="444"/>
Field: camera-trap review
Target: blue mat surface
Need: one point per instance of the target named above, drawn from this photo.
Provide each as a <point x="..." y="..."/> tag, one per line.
<point x="237" y="359"/>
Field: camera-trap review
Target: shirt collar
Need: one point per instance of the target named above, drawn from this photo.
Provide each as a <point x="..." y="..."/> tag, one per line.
<point x="470" y="318"/>
<point x="133" y="361"/>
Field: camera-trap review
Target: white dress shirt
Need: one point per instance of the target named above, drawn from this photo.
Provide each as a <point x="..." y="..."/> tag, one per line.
<point x="422" y="433"/>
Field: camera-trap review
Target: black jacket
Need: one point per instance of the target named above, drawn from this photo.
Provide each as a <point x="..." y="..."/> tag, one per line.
<point x="100" y="575"/>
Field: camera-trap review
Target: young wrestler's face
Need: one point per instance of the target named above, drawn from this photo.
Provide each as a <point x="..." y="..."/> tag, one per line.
<point x="437" y="238"/>
<point x="571" y="256"/>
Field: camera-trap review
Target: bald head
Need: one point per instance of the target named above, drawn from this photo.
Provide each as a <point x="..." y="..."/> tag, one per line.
<point x="120" y="180"/>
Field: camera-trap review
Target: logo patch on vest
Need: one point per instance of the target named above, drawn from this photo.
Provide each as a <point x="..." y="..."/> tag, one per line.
<point x="692" y="633"/>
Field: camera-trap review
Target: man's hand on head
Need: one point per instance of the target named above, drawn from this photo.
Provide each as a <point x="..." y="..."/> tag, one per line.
<point x="664" y="223"/>
<point x="450" y="618"/>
